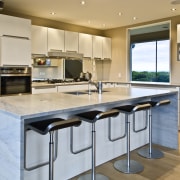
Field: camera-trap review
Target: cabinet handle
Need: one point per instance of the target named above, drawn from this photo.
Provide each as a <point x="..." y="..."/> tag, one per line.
<point x="18" y="37"/>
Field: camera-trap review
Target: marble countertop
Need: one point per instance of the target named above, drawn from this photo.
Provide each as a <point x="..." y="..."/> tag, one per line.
<point x="37" y="105"/>
<point x="45" y="84"/>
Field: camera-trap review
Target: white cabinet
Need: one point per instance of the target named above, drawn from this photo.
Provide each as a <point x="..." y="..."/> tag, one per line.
<point x="14" y="26"/>
<point x="39" y="40"/>
<point x="101" y="47"/>
<point x="55" y="39"/>
<point x="44" y="89"/>
<point x="97" y="47"/>
<point x="178" y="33"/>
<point x="15" y="51"/>
<point x="85" y="45"/>
<point x="71" y="41"/>
<point x="106" y="48"/>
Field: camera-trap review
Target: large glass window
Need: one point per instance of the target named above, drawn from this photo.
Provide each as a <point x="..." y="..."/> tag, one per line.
<point x="150" y="53"/>
<point x="150" y="61"/>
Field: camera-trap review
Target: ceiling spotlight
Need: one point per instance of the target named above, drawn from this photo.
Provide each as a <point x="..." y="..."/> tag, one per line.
<point x="120" y="13"/>
<point x="1" y="5"/>
<point x="173" y="9"/>
<point x="83" y="2"/>
<point x="52" y="13"/>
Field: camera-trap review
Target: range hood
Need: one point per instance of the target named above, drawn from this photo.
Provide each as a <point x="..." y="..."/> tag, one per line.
<point x="56" y="54"/>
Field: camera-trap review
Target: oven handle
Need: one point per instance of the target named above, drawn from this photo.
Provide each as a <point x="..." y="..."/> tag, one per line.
<point x="6" y="75"/>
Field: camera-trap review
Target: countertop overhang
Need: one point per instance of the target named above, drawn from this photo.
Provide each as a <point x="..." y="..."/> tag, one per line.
<point x="37" y="105"/>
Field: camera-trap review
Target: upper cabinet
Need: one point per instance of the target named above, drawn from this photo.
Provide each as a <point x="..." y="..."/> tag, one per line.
<point x="55" y="39"/>
<point x="106" y="48"/>
<point x="14" y="26"/>
<point x="97" y="47"/>
<point x="71" y="41"/>
<point x="15" y="51"/>
<point x="39" y="40"/>
<point x="101" y="47"/>
<point x="15" y="43"/>
<point x="85" y="45"/>
<point x="46" y="39"/>
<point x="178" y="33"/>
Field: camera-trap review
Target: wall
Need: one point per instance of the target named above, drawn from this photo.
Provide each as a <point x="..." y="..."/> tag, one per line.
<point x="118" y="69"/>
<point x="120" y="63"/>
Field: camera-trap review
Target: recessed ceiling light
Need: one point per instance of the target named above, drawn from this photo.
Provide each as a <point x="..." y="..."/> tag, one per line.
<point x="52" y="13"/>
<point x="134" y="18"/>
<point x="173" y="9"/>
<point x="83" y="2"/>
<point x="120" y="13"/>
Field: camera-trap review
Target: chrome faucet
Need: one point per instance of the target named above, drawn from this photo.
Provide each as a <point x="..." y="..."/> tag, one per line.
<point x="98" y="85"/>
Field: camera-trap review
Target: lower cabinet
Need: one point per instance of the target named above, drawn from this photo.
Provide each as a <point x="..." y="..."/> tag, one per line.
<point x="44" y="89"/>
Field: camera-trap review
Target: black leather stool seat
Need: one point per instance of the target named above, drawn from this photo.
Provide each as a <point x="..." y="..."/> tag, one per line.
<point x="156" y="103"/>
<point x="132" y="108"/>
<point x="92" y="116"/>
<point x="50" y="125"/>
<point x="45" y="126"/>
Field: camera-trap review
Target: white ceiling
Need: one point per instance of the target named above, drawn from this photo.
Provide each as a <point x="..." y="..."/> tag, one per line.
<point x="99" y="14"/>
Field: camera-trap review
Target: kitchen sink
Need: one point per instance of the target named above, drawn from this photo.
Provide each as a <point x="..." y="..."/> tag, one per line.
<point x="95" y="91"/>
<point x="76" y="92"/>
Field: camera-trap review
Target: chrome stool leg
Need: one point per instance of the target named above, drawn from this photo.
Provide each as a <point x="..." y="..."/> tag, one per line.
<point x="51" y="155"/>
<point x="93" y="175"/>
<point x="126" y="165"/>
<point x="150" y="152"/>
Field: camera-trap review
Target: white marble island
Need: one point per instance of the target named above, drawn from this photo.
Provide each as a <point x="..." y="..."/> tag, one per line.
<point x="16" y="111"/>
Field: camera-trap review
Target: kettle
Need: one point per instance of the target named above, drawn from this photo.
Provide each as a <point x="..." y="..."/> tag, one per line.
<point x="88" y="76"/>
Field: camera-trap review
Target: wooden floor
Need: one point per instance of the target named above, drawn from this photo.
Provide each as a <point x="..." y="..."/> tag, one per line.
<point x="167" y="168"/>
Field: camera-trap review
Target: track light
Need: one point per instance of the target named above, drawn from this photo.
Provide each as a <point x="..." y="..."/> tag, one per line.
<point x="1" y="5"/>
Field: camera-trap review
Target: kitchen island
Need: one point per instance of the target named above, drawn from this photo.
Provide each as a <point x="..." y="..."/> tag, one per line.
<point x="17" y="111"/>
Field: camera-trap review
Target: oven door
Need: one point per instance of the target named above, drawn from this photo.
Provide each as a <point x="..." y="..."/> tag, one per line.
<point x="15" y="84"/>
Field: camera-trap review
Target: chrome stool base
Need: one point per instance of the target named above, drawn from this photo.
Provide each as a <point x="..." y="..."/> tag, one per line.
<point x="155" y="153"/>
<point x="134" y="167"/>
<point x="89" y="177"/>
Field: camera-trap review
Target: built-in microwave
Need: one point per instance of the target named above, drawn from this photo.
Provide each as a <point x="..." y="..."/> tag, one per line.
<point x="15" y="80"/>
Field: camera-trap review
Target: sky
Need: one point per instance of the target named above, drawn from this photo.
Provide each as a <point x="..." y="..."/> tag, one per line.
<point x="144" y="56"/>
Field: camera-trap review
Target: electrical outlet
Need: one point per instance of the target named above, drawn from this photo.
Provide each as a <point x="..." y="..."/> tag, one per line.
<point x="119" y="75"/>
<point x="42" y="73"/>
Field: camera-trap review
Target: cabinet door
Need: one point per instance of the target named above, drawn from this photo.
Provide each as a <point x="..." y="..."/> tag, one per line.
<point x="97" y="47"/>
<point x="39" y="40"/>
<point x="15" y="51"/>
<point x="55" y="39"/>
<point x="106" y="48"/>
<point x="14" y="26"/>
<point x="85" y="44"/>
<point x="178" y="33"/>
<point x="71" y="41"/>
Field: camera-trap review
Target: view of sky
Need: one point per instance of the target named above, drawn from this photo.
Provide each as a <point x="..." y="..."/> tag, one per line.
<point x="144" y="56"/>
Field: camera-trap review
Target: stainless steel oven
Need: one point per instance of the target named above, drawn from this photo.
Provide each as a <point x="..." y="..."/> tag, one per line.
<point x="15" y="80"/>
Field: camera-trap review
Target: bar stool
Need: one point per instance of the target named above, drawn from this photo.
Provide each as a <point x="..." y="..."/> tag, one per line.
<point x="127" y="165"/>
<point x="92" y="117"/>
<point x="149" y="152"/>
<point x="51" y="125"/>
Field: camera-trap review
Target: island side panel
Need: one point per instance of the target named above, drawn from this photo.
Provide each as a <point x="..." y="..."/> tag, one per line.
<point x="10" y="148"/>
<point x="165" y="122"/>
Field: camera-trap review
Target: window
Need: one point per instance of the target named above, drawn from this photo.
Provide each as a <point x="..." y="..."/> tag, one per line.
<point x="149" y="55"/>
